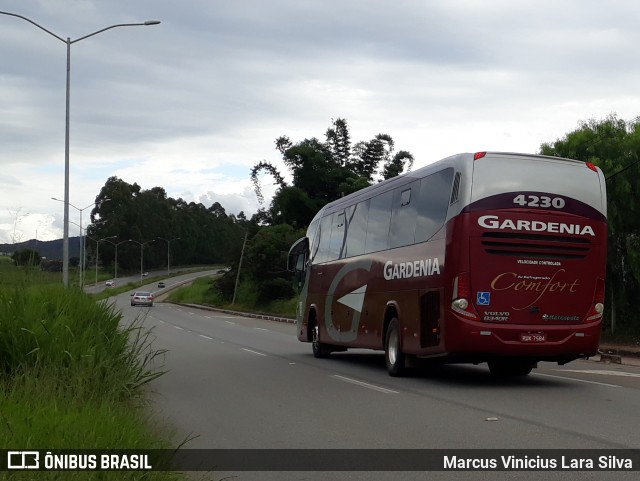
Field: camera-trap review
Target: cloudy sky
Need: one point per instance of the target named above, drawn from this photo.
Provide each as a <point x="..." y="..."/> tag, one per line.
<point x="191" y="104"/>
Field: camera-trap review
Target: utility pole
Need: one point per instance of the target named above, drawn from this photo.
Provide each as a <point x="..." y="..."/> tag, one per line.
<point x="235" y="289"/>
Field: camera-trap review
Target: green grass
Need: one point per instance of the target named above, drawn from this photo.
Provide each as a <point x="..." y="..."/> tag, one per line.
<point x="203" y="291"/>
<point x="198" y="292"/>
<point x="71" y="377"/>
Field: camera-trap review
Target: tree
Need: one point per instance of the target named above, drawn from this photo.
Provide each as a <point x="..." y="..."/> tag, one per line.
<point x="324" y="171"/>
<point x="26" y="257"/>
<point x="369" y="155"/>
<point x="339" y="141"/>
<point x="264" y="253"/>
<point x="614" y="145"/>
<point x="397" y="164"/>
<point x="207" y="235"/>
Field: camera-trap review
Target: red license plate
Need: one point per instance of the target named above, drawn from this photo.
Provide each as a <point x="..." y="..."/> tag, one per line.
<point x="533" y="337"/>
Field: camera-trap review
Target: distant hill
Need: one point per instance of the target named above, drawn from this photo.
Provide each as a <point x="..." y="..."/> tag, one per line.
<point x="50" y="249"/>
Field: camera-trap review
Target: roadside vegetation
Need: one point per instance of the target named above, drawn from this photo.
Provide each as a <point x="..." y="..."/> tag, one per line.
<point x="71" y="376"/>
<point x="207" y="292"/>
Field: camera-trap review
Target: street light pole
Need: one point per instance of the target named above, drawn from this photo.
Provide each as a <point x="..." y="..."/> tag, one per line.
<point x="68" y="42"/>
<point x="168" y="253"/>
<point x="142" y="244"/>
<point x="116" y="244"/>
<point x="98" y="251"/>
<point x="82" y="243"/>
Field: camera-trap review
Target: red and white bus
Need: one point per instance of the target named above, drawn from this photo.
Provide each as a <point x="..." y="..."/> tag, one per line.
<point x="486" y="257"/>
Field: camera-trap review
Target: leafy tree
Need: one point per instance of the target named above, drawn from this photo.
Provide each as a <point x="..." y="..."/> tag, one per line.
<point x="269" y="168"/>
<point x="397" y="164"/>
<point x="201" y="235"/>
<point x="26" y="257"/>
<point x="325" y="171"/>
<point x="291" y="205"/>
<point x="265" y="258"/>
<point x="369" y="155"/>
<point x="339" y="141"/>
<point x="614" y="145"/>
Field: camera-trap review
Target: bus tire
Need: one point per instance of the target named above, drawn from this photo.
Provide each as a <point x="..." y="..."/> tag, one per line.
<point x="393" y="355"/>
<point x="509" y="368"/>
<point x="320" y="349"/>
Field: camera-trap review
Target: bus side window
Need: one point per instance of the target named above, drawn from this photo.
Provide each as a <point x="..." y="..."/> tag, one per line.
<point x="403" y="215"/>
<point x="337" y="235"/>
<point x="312" y="234"/>
<point x="378" y="222"/>
<point x="432" y="207"/>
<point x="357" y="216"/>
<point x="323" y="240"/>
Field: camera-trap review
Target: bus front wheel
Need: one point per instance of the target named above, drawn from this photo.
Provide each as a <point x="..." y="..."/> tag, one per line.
<point x="320" y="350"/>
<point x="394" y="357"/>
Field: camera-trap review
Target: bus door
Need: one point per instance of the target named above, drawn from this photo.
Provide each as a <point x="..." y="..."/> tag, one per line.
<point x="297" y="262"/>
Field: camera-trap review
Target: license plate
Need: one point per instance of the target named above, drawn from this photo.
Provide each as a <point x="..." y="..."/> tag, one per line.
<point x="533" y="337"/>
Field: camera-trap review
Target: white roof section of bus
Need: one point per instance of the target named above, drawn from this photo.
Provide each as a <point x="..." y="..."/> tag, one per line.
<point x="498" y="173"/>
<point x="368" y="192"/>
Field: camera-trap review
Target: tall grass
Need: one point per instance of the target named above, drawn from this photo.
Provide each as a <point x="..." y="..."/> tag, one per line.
<point x="204" y="291"/>
<point x="62" y="332"/>
<point x="72" y="376"/>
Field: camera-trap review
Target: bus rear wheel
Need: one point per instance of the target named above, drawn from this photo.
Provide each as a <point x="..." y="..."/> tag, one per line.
<point x="320" y="349"/>
<point x="510" y="368"/>
<point x="393" y="355"/>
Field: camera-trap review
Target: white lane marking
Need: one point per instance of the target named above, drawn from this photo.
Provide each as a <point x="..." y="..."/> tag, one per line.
<point x="578" y="380"/>
<point x="208" y="317"/>
<point x="229" y="322"/>
<point x="254" y="352"/>
<point x="603" y="372"/>
<point x="206" y="337"/>
<point x="366" y="384"/>
<point x="178" y="327"/>
<point x="261" y="329"/>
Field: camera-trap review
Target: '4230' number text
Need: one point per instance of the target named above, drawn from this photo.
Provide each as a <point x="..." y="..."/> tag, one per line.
<point x="539" y="201"/>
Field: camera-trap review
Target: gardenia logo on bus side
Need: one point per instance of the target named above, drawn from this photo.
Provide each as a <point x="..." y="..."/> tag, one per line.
<point x="494" y="222"/>
<point x="404" y="270"/>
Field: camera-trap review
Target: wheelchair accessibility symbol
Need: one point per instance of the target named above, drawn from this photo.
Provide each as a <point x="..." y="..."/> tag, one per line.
<point x="483" y="298"/>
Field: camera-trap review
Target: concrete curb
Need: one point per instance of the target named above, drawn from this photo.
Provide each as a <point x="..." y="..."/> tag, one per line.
<point x="242" y="313"/>
<point x="610" y="358"/>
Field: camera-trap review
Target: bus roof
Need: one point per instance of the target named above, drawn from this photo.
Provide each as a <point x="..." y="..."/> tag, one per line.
<point x="465" y="164"/>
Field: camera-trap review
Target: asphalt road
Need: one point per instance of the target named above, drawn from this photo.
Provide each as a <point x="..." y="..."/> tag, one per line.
<point x="237" y="383"/>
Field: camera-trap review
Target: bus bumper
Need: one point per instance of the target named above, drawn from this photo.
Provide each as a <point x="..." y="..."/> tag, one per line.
<point x="561" y="343"/>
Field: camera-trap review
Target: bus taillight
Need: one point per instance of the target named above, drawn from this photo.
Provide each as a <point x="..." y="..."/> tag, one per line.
<point x="597" y="308"/>
<point x="592" y="166"/>
<point x="479" y="155"/>
<point x="461" y="296"/>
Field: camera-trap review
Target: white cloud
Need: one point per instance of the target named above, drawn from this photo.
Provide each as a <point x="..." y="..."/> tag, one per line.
<point x="192" y="104"/>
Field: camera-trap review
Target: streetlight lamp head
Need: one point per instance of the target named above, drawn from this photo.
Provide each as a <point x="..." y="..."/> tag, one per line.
<point x="152" y="22"/>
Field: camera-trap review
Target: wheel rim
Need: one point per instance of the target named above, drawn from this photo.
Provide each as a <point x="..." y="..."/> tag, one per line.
<point x="393" y="347"/>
